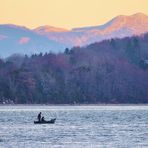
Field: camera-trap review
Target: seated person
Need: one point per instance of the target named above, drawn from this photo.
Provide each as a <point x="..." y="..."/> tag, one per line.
<point x="42" y="119"/>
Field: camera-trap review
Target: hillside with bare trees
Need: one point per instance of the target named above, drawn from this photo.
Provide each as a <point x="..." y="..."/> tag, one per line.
<point x="112" y="71"/>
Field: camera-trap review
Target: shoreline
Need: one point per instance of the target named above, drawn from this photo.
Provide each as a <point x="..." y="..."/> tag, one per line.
<point x="136" y="104"/>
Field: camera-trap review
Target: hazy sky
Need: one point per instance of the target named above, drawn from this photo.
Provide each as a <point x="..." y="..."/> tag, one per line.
<point x="66" y="13"/>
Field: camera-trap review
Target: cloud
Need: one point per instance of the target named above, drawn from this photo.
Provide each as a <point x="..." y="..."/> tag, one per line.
<point x="2" y="37"/>
<point x="24" y="40"/>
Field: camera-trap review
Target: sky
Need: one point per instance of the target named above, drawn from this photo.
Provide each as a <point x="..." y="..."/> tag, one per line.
<point x="66" y="13"/>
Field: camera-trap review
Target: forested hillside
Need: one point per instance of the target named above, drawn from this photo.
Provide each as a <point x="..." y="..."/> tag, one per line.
<point x="112" y="71"/>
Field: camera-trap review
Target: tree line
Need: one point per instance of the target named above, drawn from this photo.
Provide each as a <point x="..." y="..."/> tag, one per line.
<point x="112" y="71"/>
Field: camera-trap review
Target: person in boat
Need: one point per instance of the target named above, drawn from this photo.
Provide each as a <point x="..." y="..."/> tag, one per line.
<point x="39" y="116"/>
<point x="43" y="119"/>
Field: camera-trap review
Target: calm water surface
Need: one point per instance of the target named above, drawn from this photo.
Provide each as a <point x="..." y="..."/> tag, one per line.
<point x="75" y="127"/>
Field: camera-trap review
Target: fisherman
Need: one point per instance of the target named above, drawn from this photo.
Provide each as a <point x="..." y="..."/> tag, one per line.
<point x="39" y="116"/>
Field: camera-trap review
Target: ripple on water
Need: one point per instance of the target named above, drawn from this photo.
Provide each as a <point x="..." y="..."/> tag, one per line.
<point x="76" y="126"/>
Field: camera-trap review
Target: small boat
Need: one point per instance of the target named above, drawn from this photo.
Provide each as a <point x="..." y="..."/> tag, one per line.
<point x="52" y="121"/>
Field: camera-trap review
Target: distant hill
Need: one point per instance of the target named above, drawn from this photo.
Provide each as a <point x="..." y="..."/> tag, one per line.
<point x="112" y="71"/>
<point x="119" y="27"/>
<point x="18" y="39"/>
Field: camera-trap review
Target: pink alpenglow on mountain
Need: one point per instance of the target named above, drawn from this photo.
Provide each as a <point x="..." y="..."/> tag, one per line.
<point x="137" y="23"/>
<point x="119" y="27"/>
<point x="52" y="39"/>
<point x="24" y="40"/>
<point x="47" y="29"/>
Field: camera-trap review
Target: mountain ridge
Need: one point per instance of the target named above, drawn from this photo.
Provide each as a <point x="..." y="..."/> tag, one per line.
<point x="48" y="38"/>
<point x="121" y="25"/>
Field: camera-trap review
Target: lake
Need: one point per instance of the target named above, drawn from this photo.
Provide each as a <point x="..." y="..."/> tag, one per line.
<point x="75" y="127"/>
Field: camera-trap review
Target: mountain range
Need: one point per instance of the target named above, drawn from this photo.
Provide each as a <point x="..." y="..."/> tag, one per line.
<point x="22" y="40"/>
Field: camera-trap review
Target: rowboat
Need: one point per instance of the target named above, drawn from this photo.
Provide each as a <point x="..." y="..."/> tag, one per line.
<point x="52" y="121"/>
